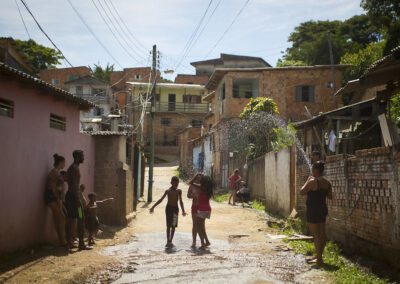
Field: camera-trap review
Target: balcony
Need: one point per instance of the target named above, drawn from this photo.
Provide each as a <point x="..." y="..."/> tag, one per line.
<point x="180" y="107"/>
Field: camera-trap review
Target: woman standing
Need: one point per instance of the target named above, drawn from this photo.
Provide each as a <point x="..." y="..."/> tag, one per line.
<point x="234" y="179"/>
<point x="51" y="197"/>
<point x="317" y="188"/>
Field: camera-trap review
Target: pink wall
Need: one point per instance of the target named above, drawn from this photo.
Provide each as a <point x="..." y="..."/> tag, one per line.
<point x="27" y="145"/>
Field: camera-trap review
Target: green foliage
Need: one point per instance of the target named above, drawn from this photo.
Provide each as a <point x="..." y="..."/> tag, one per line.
<point x="100" y="73"/>
<point x="386" y="16"/>
<point x="361" y="60"/>
<point x="221" y="197"/>
<point x="284" y="137"/>
<point x="41" y="57"/>
<point x="258" y="105"/>
<point x="342" y="270"/>
<point x="258" y="206"/>
<point x="288" y="63"/>
<point x="395" y="109"/>
<point x="310" y="42"/>
<point x="165" y="80"/>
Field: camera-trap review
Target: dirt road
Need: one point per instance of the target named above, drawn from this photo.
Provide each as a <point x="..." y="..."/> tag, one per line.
<point x="243" y="250"/>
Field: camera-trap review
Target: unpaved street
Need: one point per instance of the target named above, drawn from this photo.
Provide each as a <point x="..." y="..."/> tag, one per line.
<point x="242" y="251"/>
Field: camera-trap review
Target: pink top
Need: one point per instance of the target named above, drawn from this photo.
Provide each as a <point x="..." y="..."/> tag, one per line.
<point x="233" y="179"/>
<point x="204" y="202"/>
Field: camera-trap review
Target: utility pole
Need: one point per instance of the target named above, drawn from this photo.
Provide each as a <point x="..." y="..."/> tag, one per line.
<point x="332" y="68"/>
<point x="153" y="100"/>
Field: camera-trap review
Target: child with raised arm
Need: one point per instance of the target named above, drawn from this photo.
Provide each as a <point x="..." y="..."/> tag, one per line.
<point x="92" y="220"/>
<point x="171" y="210"/>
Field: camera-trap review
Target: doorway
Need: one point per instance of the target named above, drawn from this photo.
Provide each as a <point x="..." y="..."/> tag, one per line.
<point x="171" y="102"/>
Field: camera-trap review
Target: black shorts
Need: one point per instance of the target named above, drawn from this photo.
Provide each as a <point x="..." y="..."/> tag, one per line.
<point x="71" y="206"/>
<point x="93" y="224"/>
<point x="317" y="215"/>
<point x="49" y="196"/>
<point x="171" y="213"/>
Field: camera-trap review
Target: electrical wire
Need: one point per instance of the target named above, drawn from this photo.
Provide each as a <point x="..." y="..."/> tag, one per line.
<point x="112" y="32"/>
<point x="93" y="33"/>
<point x="118" y="19"/>
<point x="228" y="28"/>
<point x="22" y="19"/>
<point x="127" y="29"/>
<point x="192" y="36"/>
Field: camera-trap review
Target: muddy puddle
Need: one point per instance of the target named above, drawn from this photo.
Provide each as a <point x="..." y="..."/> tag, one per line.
<point x="145" y="260"/>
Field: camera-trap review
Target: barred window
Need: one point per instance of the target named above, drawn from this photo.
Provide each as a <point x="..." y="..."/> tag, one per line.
<point x="305" y="94"/>
<point x="165" y="121"/>
<point x="6" y="108"/>
<point x="57" y="122"/>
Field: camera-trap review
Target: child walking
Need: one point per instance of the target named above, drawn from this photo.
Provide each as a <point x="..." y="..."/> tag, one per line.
<point x="206" y="187"/>
<point x="92" y="220"/>
<point x="233" y="179"/>
<point x="171" y="210"/>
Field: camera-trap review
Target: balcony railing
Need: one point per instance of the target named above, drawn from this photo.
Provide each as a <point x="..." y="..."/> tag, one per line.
<point x="180" y="107"/>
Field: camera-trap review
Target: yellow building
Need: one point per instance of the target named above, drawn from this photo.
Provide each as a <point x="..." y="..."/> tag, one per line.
<point x="177" y="106"/>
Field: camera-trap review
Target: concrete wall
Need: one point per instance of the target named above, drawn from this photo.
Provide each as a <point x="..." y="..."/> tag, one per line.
<point x="269" y="181"/>
<point x="113" y="178"/>
<point x="277" y="182"/>
<point x="27" y="146"/>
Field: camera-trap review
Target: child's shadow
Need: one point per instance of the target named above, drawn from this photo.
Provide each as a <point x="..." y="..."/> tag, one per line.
<point x="171" y="250"/>
<point x="199" y="252"/>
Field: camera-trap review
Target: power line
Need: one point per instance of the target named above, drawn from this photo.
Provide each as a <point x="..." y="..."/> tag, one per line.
<point x="115" y="28"/>
<point x="192" y="36"/>
<point x="122" y="29"/>
<point x="228" y="28"/>
<point x="22" y="18"/>
<point x="128" y="30"/>
<point x="93" y="33"/>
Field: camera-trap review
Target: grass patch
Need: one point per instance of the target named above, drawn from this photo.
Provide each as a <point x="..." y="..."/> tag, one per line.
<point x="221" y="197"/>
<point x="342" y="270"/>
<point x="258" y="206"/>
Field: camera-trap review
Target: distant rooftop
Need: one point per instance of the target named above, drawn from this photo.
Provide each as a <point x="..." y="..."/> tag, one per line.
<point x="233" y="57"/>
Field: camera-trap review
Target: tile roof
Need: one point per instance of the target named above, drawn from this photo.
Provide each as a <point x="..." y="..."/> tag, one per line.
<point x="55" y="92"/>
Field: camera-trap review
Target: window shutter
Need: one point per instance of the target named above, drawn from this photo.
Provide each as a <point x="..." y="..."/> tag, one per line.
<point x="185" y="100"/>
<point x="198" y="99"/>
<point x="297" y="94"/>
<point x="157" y="97"/>
<point x="312" y="94"/>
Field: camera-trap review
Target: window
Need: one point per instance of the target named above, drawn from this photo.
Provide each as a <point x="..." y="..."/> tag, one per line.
<point x="6" y="108"/>
<point x="245" y="88"/>
<point x="55" y="82"/>
<point x="73" y="77"/>
<point x="165" y="121"/>
<point x="79" y="90"/>
<point x="138" y="77"/>
<point x="98" y="111"/>
<point x="196" y="123"/>
<point x="57" y="122"/>
<point x="191" y="99"/>
<point x="304" y="93"/>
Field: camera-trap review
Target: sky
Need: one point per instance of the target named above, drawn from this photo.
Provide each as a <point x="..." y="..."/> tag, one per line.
<point x="261" y="29"/>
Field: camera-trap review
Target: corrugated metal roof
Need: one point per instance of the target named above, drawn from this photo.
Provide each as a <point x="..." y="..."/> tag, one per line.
<point x="53" y="91"/>
<point x="106" y="133"/>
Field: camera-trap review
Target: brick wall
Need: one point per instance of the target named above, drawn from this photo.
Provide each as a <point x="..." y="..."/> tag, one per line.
<point x="63" y="74"/>
<point x="118" y="79"/>
<point x="367" y="182"/>
<point x="191" y="79"/>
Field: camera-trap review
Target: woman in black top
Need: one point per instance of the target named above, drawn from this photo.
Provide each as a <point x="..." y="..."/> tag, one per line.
<point x="317" y="188"/>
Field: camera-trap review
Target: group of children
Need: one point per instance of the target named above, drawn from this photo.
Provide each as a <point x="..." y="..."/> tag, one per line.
<point x="242" y="193"/>
<point x="200" y="191"/>
<point x="55" y="198"/>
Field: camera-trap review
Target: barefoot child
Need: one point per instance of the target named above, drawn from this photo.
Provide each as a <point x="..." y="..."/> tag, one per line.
<point x="172" y="210"/>
<point x="92" y="220"/>
<point x="204" y="210"/>
<point x="193" y="193"/>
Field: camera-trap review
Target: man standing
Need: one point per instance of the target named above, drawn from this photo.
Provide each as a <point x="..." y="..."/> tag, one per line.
<point x="73" y="202"/>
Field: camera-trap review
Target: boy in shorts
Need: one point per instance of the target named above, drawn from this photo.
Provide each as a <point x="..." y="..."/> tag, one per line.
<point x="171" y="210"/>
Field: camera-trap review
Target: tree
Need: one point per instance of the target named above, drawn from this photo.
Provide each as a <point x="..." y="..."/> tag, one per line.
<point x="310" y="42"/>
<point x="385" y="14"/>
<point x="361" y="60"/>
<point x="259" y="105"/>
<point x="41" y="57"/>
<point x="100" y="73"/>
<point x="289" y="63"/>
<point x="395" y="109"/>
